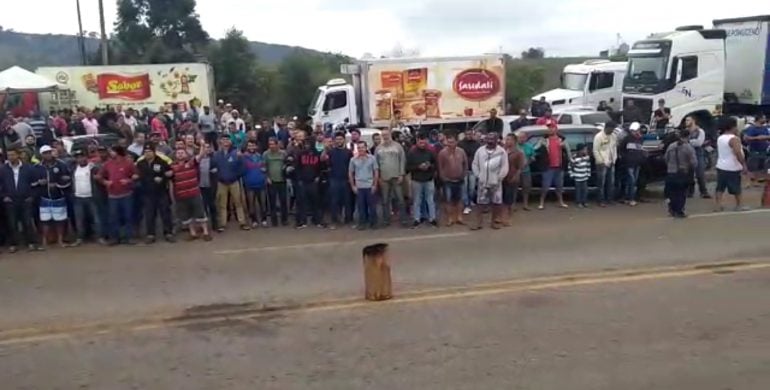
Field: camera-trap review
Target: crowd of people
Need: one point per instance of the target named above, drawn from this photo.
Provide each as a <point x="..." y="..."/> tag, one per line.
<point x="194" y="170"/>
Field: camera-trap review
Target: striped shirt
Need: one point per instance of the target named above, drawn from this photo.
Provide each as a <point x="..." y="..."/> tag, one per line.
<point x="185" y="179"/>
<point x="581" y="168"/>
<point x="39" y="126"/>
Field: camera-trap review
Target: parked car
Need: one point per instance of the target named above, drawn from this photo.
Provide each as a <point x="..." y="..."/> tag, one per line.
<point x="82" y="141"/>
<point x="654" y="170"/>
<point x="582" y="117"/>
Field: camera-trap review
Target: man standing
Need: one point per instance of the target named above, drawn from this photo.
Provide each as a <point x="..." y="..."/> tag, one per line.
<point x="363" y="174"/>
<point x="54" y="180"/>
<point x="137" y="147"/>
<point x="493" y="123"/>
<point x="633" y="156"/>
<point x="661" y="117"/>
<point x="490" y="165"/>
<point x="90" y="124"/>
<point x="757" y="136"/>
<point x="391" y="160"/>
<point x="521" y="121"/>
<point x="255" y="184"/>
<point x="207" y="182"/>
<point x="730" y="163"/>
<point x="516" y="163"/>
<point x="338" y="158"/>
<point x="118" y="175"/>
<point x="306" y="162"/>
<point x="605" y="150"/>
<point x="632" y="113"/>
<point x="275" y="161"/>
<point x="187" y="195"/>
<point x="557" y="153"/>
<point x="154" y="175"/>
<point x="697" y="138"/>
<point x="452" y="168"/>
<point x="228" y="165"/>
<point x="469" y="144"/>
<point x="680" y="161"/>
<point x="526" y="172"/>
<point x="208" y="125"/>
<point x="18" y="182"/>
<point x="85" y="205"/>
<point x="421" y="164"/>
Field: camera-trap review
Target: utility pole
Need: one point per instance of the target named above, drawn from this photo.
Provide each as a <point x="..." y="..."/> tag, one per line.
<point x="81" y="38"/>
<point x="105" y="58"/>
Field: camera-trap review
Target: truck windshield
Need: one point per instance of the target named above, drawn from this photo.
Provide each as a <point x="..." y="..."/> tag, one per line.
<point x="647" y="69"/>
<point x="574" y="81"/>
<point x="311" y="111"/>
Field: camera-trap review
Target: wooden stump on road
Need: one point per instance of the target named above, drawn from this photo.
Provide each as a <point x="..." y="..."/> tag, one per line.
<point x="377" y="281"/>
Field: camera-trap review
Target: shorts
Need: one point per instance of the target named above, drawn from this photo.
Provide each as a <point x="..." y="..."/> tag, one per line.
<point x="53" y="210"/>
<point x="190" y="209"/>
<point x="730" y="181"/>
<point x="489" y="195"/>
<point x="453" y="191"/>
<point x="757" y="162"/>
<point x="553" y="177"/>
<point x="509" y="190"/>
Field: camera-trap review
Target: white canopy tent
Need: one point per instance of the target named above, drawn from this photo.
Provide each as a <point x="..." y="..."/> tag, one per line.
<point x="17" y="80"/>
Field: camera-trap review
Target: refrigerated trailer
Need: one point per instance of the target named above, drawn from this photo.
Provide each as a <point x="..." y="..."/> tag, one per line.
<point x="424" y="91"/>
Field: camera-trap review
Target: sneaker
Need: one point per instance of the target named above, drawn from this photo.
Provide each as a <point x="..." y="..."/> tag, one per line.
<point x="580" y="205"/>
<point x="103" y="242"/>
<point x="632" y="203"/>
<point x="149" y="240"/>
<point x="705" y="196"/>
<point x="585" y="205"/>
<point x="77" y="243"/>
<point x="466" y="210"/>
<point x="130" y="242"/>
<point x="302" y="226"/>
<point x="415" y="224"/>
<point x="254" y="225"/>
<point x="245" y="227"/>
<point x="12" y="249"/>
<point x="207" y="237"/>
<point x="220" y="230"/>
<point x="264" y="223"/>
<point x="434" y="223"/>
<point x="170" y="238"/>
<point x="321" y="226"/>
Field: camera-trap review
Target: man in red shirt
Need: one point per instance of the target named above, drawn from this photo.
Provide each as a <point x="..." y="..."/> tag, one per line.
<point x="187" y="195"/>
<point x="546" y="120"/>
<point x="557" y="152"/>
<point x="118" y="175"/>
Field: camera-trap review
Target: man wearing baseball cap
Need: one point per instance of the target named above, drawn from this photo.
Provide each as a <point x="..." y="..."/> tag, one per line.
<point x="54" y="180"/>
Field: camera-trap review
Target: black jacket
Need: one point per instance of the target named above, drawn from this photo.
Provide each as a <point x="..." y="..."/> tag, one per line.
<point x="148" y="171"/>
<point x="417" y="156"/>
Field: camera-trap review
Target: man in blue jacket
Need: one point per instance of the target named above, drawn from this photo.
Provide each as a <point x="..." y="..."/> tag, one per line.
<point x="54" y="180"/>
<point x="18" y="182"/>
<point x="227" y="164"/>
<point x="338" y="159"/>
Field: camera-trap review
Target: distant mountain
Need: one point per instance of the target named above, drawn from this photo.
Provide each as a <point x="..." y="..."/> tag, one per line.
<point x="33" y="50"/>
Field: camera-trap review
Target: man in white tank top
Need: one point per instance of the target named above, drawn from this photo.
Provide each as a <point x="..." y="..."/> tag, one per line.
<point x="731" y="163"/>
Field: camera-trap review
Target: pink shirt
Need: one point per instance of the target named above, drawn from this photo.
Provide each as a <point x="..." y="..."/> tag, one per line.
<point x="91" y="126"/>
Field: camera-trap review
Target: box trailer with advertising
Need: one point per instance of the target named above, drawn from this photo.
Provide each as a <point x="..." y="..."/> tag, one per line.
<point x="135" y="86"/>
<point x="703" y="72"/>
<point x="424" y="91"/>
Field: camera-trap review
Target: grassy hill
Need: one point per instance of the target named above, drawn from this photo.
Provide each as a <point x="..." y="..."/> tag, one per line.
<point x="33" y="50"/>
<point x="552" y="68"/>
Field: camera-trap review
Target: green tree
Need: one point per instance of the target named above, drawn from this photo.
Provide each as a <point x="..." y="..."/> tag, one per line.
<point x="237" y="74"/>
<point x="522" y="81"/>
<point x="300" y="73"/>
<point x="158" y="31"/>
<point x="533" y="53"/>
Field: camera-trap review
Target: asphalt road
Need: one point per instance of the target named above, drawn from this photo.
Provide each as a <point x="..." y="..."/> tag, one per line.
<point x="152" y="317"/>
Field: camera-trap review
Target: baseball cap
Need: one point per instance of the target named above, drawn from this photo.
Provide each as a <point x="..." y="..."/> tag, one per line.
<point x="635" y="126"/>
<point x="45" y="149"/>
<point x="80" y="152"/>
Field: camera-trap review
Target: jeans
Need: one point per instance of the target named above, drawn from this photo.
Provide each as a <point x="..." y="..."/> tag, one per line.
<point x="256" y="200"/>
<point x="424" y="192"/>
<point x="308" y="202"/>
<point x="390" y="189"/>
<point x="155" y="204"/>
<point x="366" y="207"/>
<point x="20" y="211"/>
<point x="86" y="207"/>
<point x="700" y="174"/>
<point x="276" y="196"/>
<point x="209" y="195"/>
<point x="121" y="210"/>
<point x="339" y="199"/>
<point x="676" y="192"/>
<point x="605" y="177"/>
<point x="632" y="177"/>
<point x="581" y="192"/>
<point x="469" y="189"/>
<point x="137" y="203"/>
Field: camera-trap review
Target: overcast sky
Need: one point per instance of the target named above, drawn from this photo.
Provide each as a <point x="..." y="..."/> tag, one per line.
<point x="434" y="27"/>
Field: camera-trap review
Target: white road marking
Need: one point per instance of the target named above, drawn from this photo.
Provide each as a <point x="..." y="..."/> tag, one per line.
<point x="337" y="243"/>
<point x="729" y="213"/>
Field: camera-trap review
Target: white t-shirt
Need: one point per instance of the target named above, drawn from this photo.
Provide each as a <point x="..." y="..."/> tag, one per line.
<point x="727" y="161"/>
<point x="82" y="181"/>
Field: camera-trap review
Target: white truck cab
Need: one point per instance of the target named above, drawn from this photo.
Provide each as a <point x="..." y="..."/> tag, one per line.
<point x="585" y="85"/>
<point x="686" y="68"/>
<point x="334" y="103"/>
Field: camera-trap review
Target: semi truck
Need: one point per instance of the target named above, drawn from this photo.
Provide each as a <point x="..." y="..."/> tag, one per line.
<point x="704" y="73"/>
<point x="412" y="91"/>
<point x="135" y="86"/>
<point x="586" y="84"/>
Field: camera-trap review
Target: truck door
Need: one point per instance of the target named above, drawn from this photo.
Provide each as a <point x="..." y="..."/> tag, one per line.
<point x="336" y="107"/>
<point x="602" y="87"/>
